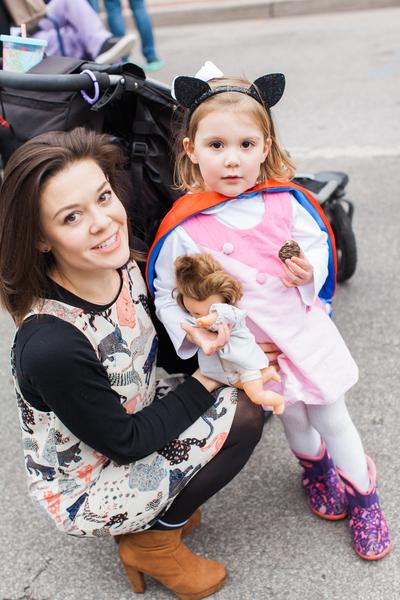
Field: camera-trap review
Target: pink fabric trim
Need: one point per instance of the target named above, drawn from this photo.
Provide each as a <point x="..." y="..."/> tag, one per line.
<point x="350" y="486"/>
<point x="312" y="458"/>
<point x="254" y="247"/>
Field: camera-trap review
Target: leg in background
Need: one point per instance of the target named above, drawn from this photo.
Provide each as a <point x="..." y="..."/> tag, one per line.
<point x="145" y="29"/>
<point x="115" y="17"/>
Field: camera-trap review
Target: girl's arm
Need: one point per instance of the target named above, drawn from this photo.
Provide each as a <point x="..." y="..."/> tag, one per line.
<point x="314" y="244"/>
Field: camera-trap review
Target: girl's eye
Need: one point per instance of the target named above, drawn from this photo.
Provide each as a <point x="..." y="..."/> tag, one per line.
<point x="247" y="144"/>
<point x="104" y="196"/>
<point x="216" y="145"/>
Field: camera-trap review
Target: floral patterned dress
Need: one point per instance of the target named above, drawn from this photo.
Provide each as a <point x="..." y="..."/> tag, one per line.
<point x="83" y="491"/>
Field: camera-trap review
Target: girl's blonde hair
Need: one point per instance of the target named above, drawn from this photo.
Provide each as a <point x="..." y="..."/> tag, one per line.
<point x="200" y="276"/>
<point x="277" y="165"/>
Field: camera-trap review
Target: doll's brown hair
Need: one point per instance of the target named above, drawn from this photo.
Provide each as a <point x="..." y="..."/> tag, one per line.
<point x="200" y="276"/>
<point x="277" y="165"/>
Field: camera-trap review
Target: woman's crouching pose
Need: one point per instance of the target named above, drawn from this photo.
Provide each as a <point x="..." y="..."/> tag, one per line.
<point x="109" y="449"/>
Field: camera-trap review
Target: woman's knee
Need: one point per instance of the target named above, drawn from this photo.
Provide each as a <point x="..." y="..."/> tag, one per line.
<point x="249" y="419"/>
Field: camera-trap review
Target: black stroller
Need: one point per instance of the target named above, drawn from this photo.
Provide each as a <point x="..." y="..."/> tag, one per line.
<point x="137" y="112"/>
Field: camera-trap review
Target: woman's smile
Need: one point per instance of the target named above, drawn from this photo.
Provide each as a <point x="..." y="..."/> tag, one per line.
<point x="110" y="244"/>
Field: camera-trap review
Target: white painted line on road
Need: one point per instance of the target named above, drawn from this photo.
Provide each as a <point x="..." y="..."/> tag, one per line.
<point x="347" y="151"/>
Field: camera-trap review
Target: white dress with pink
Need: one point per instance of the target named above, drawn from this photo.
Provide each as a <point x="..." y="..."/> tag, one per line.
<point x="316" y="365"/>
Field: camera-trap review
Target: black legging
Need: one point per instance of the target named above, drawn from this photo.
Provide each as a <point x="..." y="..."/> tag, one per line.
<point x="244" y="435"/>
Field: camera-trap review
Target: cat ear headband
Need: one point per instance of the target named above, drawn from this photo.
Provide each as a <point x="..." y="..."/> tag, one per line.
<point x="190" y="92"/>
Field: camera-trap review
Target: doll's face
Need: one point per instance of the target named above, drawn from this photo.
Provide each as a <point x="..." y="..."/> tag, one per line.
<point x="201" y="308"/>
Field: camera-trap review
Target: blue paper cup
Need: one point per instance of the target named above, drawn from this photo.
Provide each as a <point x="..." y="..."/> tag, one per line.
<point x="21" y="54"/>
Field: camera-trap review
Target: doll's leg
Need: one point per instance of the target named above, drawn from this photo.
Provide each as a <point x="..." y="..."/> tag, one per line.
<point x="255" y="391"/>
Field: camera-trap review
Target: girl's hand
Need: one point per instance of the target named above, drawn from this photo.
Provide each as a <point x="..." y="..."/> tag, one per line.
<point x="208" y="383"/>
<point x="272" y="352"/>
<point x="299" y="271"/>
<point x="208" y="341"/>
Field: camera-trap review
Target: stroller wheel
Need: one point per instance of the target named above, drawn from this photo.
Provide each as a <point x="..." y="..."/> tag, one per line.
<point x="346" y="248"/>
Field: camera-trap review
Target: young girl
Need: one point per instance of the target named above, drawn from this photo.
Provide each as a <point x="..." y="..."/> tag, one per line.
<point x="209" y="294"/>
<point x="242" y="209"/>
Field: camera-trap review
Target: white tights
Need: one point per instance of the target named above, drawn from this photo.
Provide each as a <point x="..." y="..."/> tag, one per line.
<point x="304" y="426"/>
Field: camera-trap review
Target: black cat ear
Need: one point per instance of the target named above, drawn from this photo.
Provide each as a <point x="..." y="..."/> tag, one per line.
<point x="270" y="87"/>
<point x="189" y="89"/>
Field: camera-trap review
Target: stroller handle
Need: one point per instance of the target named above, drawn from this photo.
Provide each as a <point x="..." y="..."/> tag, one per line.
<point x="60" y="83"/>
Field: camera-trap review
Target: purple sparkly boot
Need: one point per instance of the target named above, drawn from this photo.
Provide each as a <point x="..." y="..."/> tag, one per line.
<point x="368" y="526"/>
<point x="322" y="486"/>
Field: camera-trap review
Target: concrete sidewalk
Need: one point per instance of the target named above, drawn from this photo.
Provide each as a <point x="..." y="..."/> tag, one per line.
<point x="166" y="13"/>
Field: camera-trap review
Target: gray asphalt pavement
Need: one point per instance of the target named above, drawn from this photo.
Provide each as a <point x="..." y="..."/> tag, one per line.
<point x="341" y="111"/>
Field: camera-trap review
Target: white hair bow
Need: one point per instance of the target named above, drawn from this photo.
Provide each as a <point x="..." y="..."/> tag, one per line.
<point x="208" y="71"/>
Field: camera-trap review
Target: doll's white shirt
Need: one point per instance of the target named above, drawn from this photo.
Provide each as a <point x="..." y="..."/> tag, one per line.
<point x="240" y="213"/>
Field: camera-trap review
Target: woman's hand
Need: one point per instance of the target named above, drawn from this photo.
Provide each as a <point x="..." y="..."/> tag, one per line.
<point x="208" y="383"/>
<point x="272" y="352"/>
<point x="208" y="341"/>
<point x="299" y="271"/>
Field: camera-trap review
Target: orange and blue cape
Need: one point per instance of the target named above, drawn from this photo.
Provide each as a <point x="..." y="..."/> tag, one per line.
<point x="191" y="204"/>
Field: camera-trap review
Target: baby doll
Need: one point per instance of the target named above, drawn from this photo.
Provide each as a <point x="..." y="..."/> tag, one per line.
<point x="208" y="294"/>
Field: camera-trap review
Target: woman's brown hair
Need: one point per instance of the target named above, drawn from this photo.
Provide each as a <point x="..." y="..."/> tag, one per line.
<point x="23" y="268"/>
<point x="200" y="276"/>
<point x="277" y="165"/>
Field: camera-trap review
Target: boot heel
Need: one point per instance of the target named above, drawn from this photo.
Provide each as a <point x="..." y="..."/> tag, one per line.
<point x="136" y="579"/>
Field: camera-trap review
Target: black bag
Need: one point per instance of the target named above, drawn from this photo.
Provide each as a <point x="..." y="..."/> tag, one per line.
<point x="32" y="112"/>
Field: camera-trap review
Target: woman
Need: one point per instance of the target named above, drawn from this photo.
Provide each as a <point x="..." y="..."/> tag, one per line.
<point x="109" y="449"/>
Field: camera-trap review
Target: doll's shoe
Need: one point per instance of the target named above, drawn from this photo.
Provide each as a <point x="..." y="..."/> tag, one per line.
<point x="323" y="488"/>
<point x="368" y="526"/>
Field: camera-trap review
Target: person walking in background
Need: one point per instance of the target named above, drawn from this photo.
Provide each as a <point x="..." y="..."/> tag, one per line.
<point x="143" y="23"/>
<point x="75" y="29"/>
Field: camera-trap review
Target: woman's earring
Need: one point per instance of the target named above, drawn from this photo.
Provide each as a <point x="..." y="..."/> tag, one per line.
<point x="45" y="250"/>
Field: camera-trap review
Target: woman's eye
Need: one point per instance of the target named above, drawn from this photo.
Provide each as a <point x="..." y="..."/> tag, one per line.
<point x="71" y="218"/>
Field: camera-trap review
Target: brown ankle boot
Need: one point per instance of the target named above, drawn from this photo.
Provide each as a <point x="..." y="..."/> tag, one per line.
<point x="163" y="556"/>
<point x="193" y="522"/>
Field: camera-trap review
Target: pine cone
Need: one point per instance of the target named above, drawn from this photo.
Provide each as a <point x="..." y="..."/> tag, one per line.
<point x="289" y="249"/>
